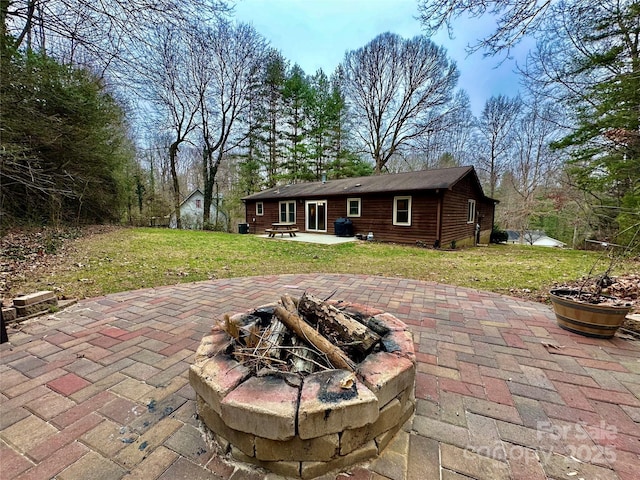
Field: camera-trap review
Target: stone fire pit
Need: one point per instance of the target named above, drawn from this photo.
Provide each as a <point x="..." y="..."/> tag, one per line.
<point x="306" y="425"/>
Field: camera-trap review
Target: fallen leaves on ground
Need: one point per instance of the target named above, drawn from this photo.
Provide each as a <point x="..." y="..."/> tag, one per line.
<point x="27" y="254"/>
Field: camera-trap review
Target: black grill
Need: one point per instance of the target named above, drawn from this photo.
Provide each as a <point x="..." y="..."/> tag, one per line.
<point x="343" y="227"/>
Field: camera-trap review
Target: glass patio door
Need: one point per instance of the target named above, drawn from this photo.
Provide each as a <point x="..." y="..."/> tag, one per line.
<point x="317" y="216"/>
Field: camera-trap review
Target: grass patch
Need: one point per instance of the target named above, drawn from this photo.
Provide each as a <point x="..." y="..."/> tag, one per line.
<point x="126" y="259"/>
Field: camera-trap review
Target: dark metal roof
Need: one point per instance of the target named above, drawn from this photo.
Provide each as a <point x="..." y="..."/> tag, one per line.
<point x="442" y="178"/>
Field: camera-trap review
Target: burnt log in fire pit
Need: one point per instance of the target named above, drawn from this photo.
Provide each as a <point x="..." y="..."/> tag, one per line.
<point x="303" y="387"/>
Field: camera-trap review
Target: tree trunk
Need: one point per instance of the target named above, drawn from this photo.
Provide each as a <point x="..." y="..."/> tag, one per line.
<point x="208" y="186"/>
<point x="173" y="153"/>
<point x="26" y="31"/>
<point x="210" y="173"/>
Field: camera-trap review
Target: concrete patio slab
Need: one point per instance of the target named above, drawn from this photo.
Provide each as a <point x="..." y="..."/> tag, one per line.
<point x="101" y="390"/>
<point x="322" y="239"/>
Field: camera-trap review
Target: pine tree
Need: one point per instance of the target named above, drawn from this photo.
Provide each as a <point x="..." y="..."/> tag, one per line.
<point x="65" y="150"/>
<point x="605" y="145"/>
<point x="253" y="153"/>
<point x="274" y="78"/>
<point x="296" y="94"/>
<point x="321" y="119"/>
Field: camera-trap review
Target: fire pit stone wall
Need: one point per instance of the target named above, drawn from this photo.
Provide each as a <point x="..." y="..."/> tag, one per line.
<point x="307" y="426"/>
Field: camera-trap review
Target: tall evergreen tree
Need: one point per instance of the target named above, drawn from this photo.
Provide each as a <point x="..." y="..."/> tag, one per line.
<point x="274" y="78"/>
<point x="604" y="60"/>
<point x="252" y="157"/>
<point x="65" y="148"/>
<point x="296" y="94"/>
<point x="322" y="117"/>
<point x="343" y="162"/>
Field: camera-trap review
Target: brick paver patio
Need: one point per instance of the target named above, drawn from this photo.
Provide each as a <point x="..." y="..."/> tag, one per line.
<point x="100" y="390"/>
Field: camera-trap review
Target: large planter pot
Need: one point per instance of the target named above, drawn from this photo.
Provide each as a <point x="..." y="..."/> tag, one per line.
<point x="600" y="320"/>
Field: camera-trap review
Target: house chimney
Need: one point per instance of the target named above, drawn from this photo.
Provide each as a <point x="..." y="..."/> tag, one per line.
<point x="324" y="177"/>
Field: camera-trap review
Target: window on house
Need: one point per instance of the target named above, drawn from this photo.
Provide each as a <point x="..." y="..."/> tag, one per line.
<point x="353" y="207"/>
<point x="471" y="211"/>
<point x="259" y="208"/>
<point x="288" y="211"/>
<point x="198" y="203"/>
<point x="402" y="211"/>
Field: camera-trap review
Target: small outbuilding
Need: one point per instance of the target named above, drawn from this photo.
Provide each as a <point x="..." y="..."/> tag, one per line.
<point x="438" y="207"/>
<point x="191" y="212"/>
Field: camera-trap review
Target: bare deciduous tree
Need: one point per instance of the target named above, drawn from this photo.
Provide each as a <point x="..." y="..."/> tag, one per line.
<point x="532" y="169"/>
<point x="400" y="89"/>
<point x="515" y="19"/>
<point x="97" y="33"/>
<point x="169" y="87"/>
<point x="449" y="143"/>
<point x="495" y="128"/>
<point x="226" y="62"/>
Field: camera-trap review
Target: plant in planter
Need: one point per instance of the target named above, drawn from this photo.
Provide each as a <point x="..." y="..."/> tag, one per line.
<point x="589" y="310"/>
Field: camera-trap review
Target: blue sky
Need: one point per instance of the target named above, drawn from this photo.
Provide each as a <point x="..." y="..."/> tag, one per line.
<point x="317" y="33"/>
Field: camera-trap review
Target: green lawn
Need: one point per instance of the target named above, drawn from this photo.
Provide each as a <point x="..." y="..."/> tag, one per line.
<point x="126" y="259"/>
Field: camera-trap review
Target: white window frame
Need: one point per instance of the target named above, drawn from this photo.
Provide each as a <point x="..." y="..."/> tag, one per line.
<point x="288" y="204"/>
<point x="471" y="211"/>
<point x="317" y="203"/>
<point x="259" y="209"/>
<point x="353" y="215"/>
<point x="395" y="211"/>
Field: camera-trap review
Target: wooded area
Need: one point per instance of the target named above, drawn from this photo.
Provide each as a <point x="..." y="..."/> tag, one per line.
<point x="114" y="112"/>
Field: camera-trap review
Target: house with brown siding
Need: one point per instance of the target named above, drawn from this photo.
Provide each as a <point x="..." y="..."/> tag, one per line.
<point x="436" y="207"/>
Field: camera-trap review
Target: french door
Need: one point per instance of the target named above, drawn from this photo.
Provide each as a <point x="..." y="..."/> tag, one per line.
<point x="316" y="215"/>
